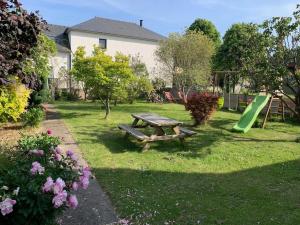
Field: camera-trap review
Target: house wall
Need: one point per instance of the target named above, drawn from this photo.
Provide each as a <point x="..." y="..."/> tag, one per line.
<point x="61" y="59"/>
<point x="145" y="49"/>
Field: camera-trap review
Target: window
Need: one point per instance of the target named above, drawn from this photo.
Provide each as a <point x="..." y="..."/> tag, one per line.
<point x="103" y="43"/>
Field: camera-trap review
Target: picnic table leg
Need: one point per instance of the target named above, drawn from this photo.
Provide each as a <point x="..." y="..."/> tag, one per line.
<point x="177" y="131"/>
<point x="146" y="146"/>
<point x="159" y="131"/>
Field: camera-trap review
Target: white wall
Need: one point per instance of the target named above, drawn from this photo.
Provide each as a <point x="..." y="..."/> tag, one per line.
<point x="61" y="59"/>
<point x="127" y="46"/>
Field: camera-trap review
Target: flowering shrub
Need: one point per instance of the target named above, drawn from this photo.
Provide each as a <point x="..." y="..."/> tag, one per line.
<point x="201" y="106"/>
<point x="41" y="183"/>
<point x="33" y="117"/>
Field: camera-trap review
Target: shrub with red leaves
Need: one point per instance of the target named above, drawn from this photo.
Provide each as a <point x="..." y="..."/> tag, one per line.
<point x="201" y="106"/>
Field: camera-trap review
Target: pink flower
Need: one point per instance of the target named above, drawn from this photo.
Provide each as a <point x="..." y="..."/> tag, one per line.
<point x="74" y="157"/>
<point x="36" y="152"/>
<point x="84" y="182"/>
<point x="48" y="185"/>
<point x="59" y="199"/>
<point x="124" y="222"/>
<point x="6" y="206"/>
<point x="75" y="186"/>
<point x="86" y="172"/>
<point x="49" y="132"/>
<point x="57" y="157"/>
<point x="72" y="201"/>
<point x="58" y="186"/>
<point x="37" y="168"/>
<point x="57" y="150"/>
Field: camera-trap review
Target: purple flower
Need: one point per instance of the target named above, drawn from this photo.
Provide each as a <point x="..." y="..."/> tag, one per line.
<point x="84" y="182"/>
<point x="75" y="186"/>
<point x="72" y="201"/>
<point x="6" y="206"/>
<point x="36" y="152"/>
<point x="58" y="186"/>
<point x="57" y="157"/>
<point x="37" y="168"/>
<point x="86" y="172"/>
<point x="49" y="132"/>
<point x="48" y="185"/>
<point x="59" y="199"/>
<point x="70" y="153"/>
<point x="74" y="157"/>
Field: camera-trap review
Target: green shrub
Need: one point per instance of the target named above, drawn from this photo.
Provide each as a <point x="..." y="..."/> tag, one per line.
<point x="37" y="188"/>
<point x="13" y="101"/>
<point x="33" y="117"/>
<point x="220" y="103"/>
<point x="70" y="96"/>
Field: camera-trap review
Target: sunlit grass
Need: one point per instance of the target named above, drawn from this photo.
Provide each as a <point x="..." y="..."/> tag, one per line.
<point x="218" y="177"/>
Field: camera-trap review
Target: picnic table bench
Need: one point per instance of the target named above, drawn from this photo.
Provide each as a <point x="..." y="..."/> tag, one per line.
<point x="158" y="123"/>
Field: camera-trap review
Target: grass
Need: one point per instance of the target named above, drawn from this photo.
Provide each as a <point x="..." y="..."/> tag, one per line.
<point x="219" y="177"/>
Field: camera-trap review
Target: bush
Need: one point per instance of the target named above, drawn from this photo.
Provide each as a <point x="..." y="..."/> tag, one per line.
<point x="70" y="96"/>
<point x="13" y="101"/>
<point x="220" y="103"/>
<point x="33" y="117"/>
<point x="201" y="106"/>
<point x="37" y="187"/>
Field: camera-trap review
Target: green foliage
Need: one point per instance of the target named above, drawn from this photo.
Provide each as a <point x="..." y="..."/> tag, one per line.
<point x="38" y="63"/>
<point x="234" y="47"/>
<point x="208" y="29"/>
<point x="33" y="117"/>
<point x="139" y="86"/>
<point x="105" y="78"/>
<point x="33" y="205"/>
<point x="13" y="101"/>
<point x="187" y="59"/>
<point x="271" y="60"/>
<point x="138" y="67"/>
<point x="43" y="141"/>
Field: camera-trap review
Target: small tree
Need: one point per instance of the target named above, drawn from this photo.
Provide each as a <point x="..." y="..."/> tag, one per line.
<point x="104" y="77"/>
<point x="208" y="29"/>
<point x="19" y="34"/>
<point x="187" y="59"/>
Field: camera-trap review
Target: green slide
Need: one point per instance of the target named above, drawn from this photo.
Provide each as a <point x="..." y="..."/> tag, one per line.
<point x="251" y="112"/>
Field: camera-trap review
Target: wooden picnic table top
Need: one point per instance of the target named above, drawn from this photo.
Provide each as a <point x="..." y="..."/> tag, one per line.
<point x="156" y="120"/>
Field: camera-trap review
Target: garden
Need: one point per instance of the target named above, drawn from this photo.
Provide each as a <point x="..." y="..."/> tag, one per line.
<point x="217" y="175"/>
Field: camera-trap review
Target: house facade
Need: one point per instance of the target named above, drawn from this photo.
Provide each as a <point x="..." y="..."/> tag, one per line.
<point x="111" y="35"/>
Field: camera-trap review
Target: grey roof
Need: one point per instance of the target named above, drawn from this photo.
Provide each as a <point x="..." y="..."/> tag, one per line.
<point x="59" y="35"/>
<point x="117" y="28"/>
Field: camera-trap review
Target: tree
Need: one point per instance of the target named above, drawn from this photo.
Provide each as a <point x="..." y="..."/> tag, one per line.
<point x="272" y="59"/>
<point x="81" y="70"/>
<point x="104" y="77"/>
<point x="229" y="56"/>
<point x="19" y="34"/>
<point x="208" y="29"/>
<point x="138" y="67"/>
<point x="38" y="64"/>
<point x="187" y="60"/>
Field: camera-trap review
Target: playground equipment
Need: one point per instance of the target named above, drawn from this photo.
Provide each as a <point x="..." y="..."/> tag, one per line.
<point x="251" y="113"/>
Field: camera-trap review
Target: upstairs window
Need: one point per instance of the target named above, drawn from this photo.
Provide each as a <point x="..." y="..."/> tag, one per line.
<point x="103" y="43"/>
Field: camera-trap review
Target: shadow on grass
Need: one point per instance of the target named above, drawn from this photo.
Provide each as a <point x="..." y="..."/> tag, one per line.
<point x="263" y="195"/>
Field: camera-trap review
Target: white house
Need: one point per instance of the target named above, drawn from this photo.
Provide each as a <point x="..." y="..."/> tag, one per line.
<point x="112" y="35"/>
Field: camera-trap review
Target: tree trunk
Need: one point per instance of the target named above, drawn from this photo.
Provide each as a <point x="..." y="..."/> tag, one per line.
<point x="107" y="108"/>
<point x="297" y="102"/>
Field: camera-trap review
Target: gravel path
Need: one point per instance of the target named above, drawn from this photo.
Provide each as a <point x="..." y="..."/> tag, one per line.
<point x="94" y="207"/>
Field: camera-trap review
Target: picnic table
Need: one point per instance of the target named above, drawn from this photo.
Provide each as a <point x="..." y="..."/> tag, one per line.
<point x="159" y="124"/>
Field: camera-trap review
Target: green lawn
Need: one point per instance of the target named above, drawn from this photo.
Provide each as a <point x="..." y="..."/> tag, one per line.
<point x="219" y="177"/>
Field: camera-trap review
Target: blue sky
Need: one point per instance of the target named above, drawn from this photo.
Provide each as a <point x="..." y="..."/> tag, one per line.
<point x="162" y="16"/>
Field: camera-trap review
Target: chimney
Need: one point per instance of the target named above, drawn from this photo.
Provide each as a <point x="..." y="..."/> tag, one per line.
<point x="141" y="23"/>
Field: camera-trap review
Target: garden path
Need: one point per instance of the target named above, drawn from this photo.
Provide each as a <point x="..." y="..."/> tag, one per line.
<point x="94" y="206"/>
